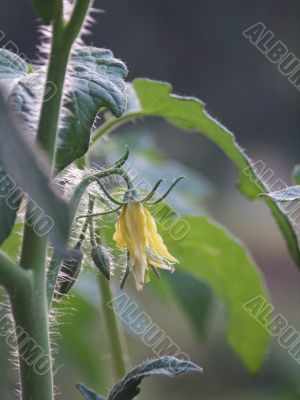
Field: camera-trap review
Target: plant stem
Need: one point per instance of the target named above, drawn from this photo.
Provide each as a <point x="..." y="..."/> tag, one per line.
<point x="115" y="339"/>
<point x="91" y="222"/>
<point x="75" y="201"/>
<point x="89" y="179"/>
<point x="34" y="248"/>
<point x="11" y="274"/>
<point x="29" y="303"/>
<point x="48" y="123"/>
<point x="114" y="334"/>
<point x="114" y="123"/>
<point x="63" y="39"/>
<point x="31" y="322"/>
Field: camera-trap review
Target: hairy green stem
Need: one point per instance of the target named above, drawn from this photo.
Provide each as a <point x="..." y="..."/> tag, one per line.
<point x="32" y="331"/>
<point x="113" y="124"/>
<point x="29" y="304"/>
<point x="11" y="275"/>
<point x="91" y="222"/>
<point x="89" y="179"/>
<point x="114" y="335"/>
<point x="75" y="201"/>
<point x="116" y="340"/>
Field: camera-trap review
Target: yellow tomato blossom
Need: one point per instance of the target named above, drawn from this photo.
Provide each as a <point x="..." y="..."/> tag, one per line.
<point x="136" y="230"/>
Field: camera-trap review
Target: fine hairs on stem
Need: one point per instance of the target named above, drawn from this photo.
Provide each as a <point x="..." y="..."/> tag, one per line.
<point x="29" y="300"/>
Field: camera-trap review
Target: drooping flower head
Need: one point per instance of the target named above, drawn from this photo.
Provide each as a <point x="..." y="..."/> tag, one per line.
<point x="136" y="230"/>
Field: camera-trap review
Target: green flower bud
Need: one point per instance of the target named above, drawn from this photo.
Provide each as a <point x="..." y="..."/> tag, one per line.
<point x="102" y="260"/>
<point x="69" y="271"/>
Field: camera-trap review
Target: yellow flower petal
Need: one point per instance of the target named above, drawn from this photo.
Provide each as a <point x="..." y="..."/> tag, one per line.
<point x="161" y="265"/>
<point x="140" y="272"/>
<point x="118" y="236"/>
<point x="135" y="224"/>
<point x="136" y="230"/>
<point x="155" y="240"/>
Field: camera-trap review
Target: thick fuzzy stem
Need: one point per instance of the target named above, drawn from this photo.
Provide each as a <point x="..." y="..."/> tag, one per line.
<point x="115" y="337"/>
<point x="11" y="274"/>
<point x="31" y="325"/>
<point x="29" y="303"/>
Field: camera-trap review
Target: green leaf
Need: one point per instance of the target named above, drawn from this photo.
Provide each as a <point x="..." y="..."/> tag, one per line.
<point x="11" y="66"/>
<point x="288" y="194"/>
<point x="88" y="394"/>
<point x="12" y="244"/>
<point x="128" y="387"/>
<point x="193" y="296"/>
<point x="96" y="81"/>
<point x="7" y="220"/>
<point x="8" y="208"/>
<point x="44" y="9"/>
<point x="21" y="88"/>
<point x="153" y="98"/>
<point x="213" y="256"/>
<point x="190" y="294"/>
<point x="25" y="98"/>
<point x="27" y="173"/>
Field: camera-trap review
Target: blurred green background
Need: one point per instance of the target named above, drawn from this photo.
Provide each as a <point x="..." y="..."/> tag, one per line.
<point x="197" y="46"/>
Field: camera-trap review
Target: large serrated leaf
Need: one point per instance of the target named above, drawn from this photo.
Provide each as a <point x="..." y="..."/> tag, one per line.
<point x="96" y="81"/>
<point x="212" y="255"/>
<point x="25" y="100"/>
<point x="19" y="87"/>
<point x="12" y="67"/>
<point x="153" y="98"/>
<point x="8" y="210"/>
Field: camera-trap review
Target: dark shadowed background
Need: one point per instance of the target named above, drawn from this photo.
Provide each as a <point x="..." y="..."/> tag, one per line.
<point x="198" y="46"/>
